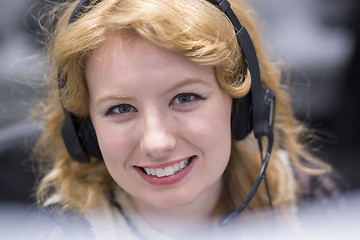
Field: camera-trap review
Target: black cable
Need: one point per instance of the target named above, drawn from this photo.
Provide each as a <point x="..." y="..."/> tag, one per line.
<point x="230" y="216"/>
<point x="265" y="178"/>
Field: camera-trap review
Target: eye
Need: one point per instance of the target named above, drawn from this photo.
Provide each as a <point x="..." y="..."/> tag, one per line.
<point x="185" y="98"/>
<point x="120" y="109"/>
<point x="185" y="101"/>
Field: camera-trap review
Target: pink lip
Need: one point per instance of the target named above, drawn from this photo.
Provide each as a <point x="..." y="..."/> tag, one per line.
<point x="167" y="180"/>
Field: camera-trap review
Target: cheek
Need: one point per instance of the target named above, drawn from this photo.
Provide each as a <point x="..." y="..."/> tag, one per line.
<point x="214" y="121"/>
<point x="211" y="133"/>
<point x="210" y="129"/>
<point x="116" y="147"/>
<point x="114" y="143"/>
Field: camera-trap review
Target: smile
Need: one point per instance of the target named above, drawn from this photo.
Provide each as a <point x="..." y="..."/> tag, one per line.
<point x="169" y="170"/>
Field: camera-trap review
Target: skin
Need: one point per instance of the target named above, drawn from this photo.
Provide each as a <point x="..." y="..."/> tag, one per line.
<point x="151" y="107"/>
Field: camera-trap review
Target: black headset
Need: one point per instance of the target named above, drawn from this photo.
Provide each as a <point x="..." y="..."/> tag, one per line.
<point x="253" y="112"/>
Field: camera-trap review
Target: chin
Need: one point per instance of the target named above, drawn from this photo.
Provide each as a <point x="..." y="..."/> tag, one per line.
<point x="173" y="200"/>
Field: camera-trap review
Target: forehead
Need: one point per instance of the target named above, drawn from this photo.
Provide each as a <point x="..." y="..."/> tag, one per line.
<point x="124" y="62"/>
<point x="124" y="52"/>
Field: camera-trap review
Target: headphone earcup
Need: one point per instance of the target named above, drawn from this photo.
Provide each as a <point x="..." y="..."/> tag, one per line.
<point x="241" y="117"/>
<point x="79" y="138"/>
<point x="87" y="136"/>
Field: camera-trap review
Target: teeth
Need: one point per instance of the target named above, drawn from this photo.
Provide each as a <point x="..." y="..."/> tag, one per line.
<point x="160" y="172"/>
<point x="176" y="167"/>
<point x="169" y="170"/>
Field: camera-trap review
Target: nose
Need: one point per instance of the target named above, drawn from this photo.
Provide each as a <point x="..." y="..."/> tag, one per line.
<point x="158" y="138"/>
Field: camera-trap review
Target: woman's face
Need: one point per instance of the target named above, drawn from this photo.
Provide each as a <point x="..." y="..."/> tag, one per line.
<point x="162" y="122"/>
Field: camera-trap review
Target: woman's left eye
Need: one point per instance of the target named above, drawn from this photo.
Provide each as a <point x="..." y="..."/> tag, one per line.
<point x="184" y="98"/>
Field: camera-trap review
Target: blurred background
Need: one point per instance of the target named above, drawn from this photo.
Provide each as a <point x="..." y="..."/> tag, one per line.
<point x="317" y="40"/>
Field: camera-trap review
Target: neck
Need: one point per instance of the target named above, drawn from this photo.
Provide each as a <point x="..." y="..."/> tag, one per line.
<point x="196" y="217"/>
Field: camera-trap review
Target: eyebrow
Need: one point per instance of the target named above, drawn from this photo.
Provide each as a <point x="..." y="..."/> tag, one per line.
<point x="113" y="97"/>
<point x="188" y="81"/>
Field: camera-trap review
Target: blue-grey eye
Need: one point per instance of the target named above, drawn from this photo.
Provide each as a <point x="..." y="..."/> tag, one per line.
<point x="185" y="98"/>
<point x="120" y="109"/>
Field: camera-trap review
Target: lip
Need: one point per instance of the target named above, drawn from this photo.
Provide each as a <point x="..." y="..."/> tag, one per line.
<point x="166" y="180"/>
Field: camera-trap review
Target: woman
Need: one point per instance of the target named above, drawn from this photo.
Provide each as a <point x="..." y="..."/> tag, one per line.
<point x="154" y="84"/>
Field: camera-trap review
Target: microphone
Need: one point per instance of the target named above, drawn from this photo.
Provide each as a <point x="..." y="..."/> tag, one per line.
<point x="230" y="216"/>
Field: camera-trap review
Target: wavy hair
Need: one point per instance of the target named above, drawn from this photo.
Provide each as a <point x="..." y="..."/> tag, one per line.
<point x="202" y="33"/>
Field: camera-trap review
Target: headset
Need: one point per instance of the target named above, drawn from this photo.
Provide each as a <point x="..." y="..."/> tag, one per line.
<point x="254" y="112"/>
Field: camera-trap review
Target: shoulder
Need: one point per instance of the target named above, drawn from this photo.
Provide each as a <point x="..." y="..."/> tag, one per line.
<point x="101" y="221"/>
<point x="321" y="187"/>
<point x="312" y="187"/>
<point x="52" y="223"/>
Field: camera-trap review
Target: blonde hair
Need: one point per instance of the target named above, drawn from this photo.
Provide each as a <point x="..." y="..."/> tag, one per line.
<point x="197" y="30"/>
